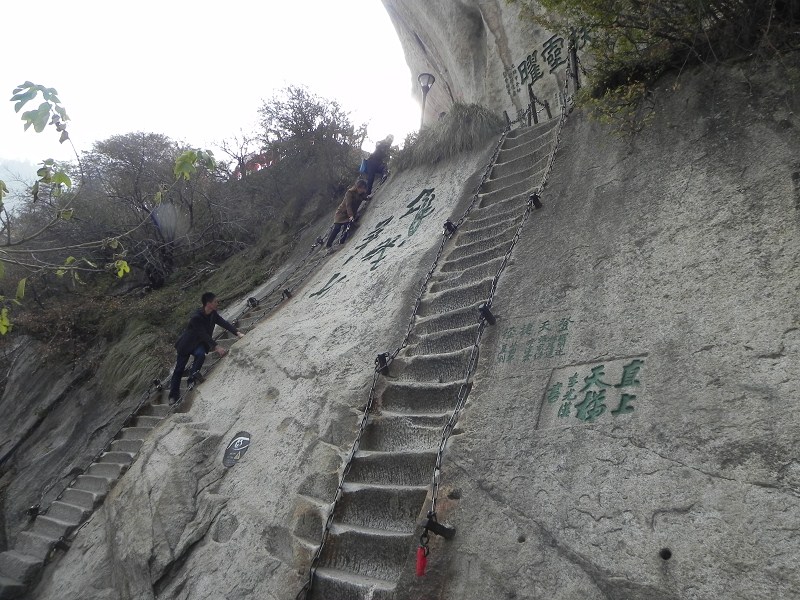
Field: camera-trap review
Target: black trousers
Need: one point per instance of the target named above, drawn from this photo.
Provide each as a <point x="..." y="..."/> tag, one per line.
<point x="199" y="354"/>
<point x="337" y="227"/>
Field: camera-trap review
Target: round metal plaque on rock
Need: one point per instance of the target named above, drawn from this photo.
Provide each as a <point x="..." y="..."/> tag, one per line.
<point x="236" y="449"/>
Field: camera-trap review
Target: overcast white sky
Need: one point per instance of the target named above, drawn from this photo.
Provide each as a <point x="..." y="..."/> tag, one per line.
<point x="197" y="71"/>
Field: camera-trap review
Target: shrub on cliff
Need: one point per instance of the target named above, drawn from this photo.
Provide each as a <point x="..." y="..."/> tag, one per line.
<point x="465" y="128"/>
<point x="633" y="42"/>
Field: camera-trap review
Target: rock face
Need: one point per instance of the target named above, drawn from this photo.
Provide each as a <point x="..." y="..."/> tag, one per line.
<point x="630" y="431"/>
<point x="480" y="51"/>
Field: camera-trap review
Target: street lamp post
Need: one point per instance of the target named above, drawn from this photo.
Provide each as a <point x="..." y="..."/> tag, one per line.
<point x="426" y="82"/>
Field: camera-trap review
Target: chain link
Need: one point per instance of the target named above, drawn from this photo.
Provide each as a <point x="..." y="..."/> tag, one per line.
<point x="473" y="361"/>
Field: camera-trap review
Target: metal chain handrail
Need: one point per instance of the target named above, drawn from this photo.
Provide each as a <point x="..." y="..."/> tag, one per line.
<point x="388" y="358"/>
<point x="472" y="363"/>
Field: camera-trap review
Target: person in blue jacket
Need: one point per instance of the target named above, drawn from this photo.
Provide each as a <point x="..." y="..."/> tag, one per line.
<point x="196" y="341"/>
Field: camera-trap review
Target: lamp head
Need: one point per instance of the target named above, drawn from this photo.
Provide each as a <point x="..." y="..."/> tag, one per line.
<point x="426" y="81"/>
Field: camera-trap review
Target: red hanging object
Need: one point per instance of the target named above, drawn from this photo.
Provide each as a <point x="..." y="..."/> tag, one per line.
<point x="422" y="560"/>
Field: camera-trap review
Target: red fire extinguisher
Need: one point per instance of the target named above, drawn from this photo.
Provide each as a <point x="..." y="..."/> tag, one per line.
<point x="422" y="554"/>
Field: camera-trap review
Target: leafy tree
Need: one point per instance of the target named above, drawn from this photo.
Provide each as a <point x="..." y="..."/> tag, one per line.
<point x="45" y="237"/>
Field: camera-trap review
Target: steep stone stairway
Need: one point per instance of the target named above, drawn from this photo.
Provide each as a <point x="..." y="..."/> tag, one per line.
<point x="53" y="529"/>
<point x="372" y="534"/>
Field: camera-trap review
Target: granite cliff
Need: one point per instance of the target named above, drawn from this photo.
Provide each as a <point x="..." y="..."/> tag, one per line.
<point x="629" y="430"/>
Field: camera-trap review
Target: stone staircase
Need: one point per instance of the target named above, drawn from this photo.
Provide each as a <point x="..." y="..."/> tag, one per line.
<point x="52" y="530"/>
<point x="372" y="535"/>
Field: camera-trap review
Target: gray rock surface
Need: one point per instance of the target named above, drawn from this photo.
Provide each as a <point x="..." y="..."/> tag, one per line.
<point x="179" y="525"/>
<point x="674" y="253"/>
<point x="480" y="51"/>
<point x="630" y="433"/>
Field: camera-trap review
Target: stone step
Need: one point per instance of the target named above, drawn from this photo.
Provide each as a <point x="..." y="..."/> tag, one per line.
<point x="530" y="167"/>
<point x="121" y="458"/>
<point x="515" y="148"/>
<point x="455" y="298"/>
<point x="500" y="212"/>
<point x="390" y="508"/>
<point x="468" y="248"/>
<point x="11" y="588"/>
<point x="445" y="281"/>
<point x="499" y="207"/>
<point x="148" y="421"/>
<point x="22" y="567"/>
<point x="157" y="410"/>
<point x="134" y="433"/>
<point x="403" y="433"/>
<point x="525" y="135"/>
<point x="35" y="544"/>
<point x="455" y="319"/>
<point x="520" y="188"/>
<point x="334" y="584"/>
<point x="442" y="342"/>
<point x="468" y="260"/>
<point x="392" y="468"/>
<point x="82" y="498"/>
<point x="366" y="552"/>
<point x="126" y="445"/>
<point x="536" y="159"/>
<point x="439" y="368"/>
<point x="50" y="527"/>
<point x="92" y="483"/>
<point x="511" y="223"/>
<point x="417" y="398"/>
<point x="108" y="470"/>
<point x="64" y="511"/>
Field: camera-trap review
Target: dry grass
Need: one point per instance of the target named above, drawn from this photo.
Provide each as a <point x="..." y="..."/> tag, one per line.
<point x="464" y="128"/>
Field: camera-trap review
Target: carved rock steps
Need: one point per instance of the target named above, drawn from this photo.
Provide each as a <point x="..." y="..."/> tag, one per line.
<point x="381" y="506"/>
<point x="454" y="298"/>
<point x="372" y="536"/>
<point x="364" y="551"/>
<point x="392" y="468"/>
<point x="20" y="566"/>
<point x="451" y="340"/>
<point x="335" y="584"/>
<point x="441" y="368"/>
<point x="415" y="398"/>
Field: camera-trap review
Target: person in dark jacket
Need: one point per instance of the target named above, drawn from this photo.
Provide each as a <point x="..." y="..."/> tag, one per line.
<point x="347" y="211"/>
<point x="196" y="341"/>
<point x="378" y="160"/>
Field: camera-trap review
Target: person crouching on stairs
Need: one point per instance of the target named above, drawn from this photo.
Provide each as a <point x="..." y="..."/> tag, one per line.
<point x="196" y="340"/>
<point x="347" y="211"/>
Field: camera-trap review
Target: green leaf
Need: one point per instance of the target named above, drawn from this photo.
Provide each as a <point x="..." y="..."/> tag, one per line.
<point x="44" y="174"/>
<point x="69" y="261"/>
<point x="22" y="98"/>
<point x="64" y="136"/>
<point x="185" y="165"/>
<point x="2" y="269"/>
<point x="61" y="178"/>
<point x="21" y="288"/>
<point x="113" y="243"/>
<point x="60" y="272"/>
<point x="66" y="214"/>
<point x="3" y="191"/>
<point x="35" y="191"/>
<point x="157" y="198"/>
<point x="122" y="267"/>
<point x="5" y="323"/>
<point x="42" y="115"/>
